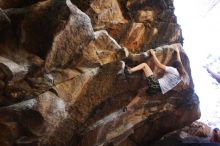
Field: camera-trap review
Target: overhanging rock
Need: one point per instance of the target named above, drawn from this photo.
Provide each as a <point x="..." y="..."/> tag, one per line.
<point x="59" y="78"/>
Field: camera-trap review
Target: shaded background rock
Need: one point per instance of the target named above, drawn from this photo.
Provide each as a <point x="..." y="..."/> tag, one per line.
<point x="197" y="134"/>
<point x="59" y="70"/>
<point x="4" y="4"/>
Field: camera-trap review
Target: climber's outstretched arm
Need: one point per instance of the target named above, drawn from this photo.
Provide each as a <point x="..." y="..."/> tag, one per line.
<point x="178" y="54"/>
<point x="157" y="62"/>
<point x="182" y="70"/>
<point x="214" y="75"/>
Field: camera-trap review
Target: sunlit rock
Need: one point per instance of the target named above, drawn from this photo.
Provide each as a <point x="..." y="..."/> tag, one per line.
<point x="145" y="16"/>
<point x="102" y="50"/>
<point x="106" y="12"/>
<point x="68" y="45"/>
<point x="134" y="38"/>
<point x="108" y="15"/>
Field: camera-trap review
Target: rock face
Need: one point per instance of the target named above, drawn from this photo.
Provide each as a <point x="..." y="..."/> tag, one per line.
<point x="59" y="81"/>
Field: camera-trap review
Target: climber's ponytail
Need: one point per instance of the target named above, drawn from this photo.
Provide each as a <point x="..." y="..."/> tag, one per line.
<point x="180" y="68"/>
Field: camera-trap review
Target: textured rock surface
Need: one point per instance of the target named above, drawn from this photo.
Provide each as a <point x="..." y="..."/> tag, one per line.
<point x="198" y="129"/>
<point x="196" y="133"/>
<point x="59" y="81"/>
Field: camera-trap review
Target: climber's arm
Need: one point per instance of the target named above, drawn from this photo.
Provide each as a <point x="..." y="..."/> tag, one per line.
<point x="178" y="54"/>
<point x="214" y="75"/>
<point x="156" y="61"/>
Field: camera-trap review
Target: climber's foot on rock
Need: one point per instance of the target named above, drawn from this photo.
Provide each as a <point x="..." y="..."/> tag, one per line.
<point x="124" y="109"/>
<point x="127" y="70"/>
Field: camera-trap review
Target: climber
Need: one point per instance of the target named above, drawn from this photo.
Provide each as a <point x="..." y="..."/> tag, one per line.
<point x="214" y="75"/>
<point x="215" y="135"/>
<point x="172" y="76"/>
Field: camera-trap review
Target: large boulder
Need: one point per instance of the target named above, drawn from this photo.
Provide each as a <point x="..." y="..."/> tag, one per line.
<point x="149" y="120"/>
<point x="59" y="73"/>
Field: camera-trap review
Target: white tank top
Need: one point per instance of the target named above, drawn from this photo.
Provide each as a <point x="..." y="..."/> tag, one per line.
<point x="170" y="79"/>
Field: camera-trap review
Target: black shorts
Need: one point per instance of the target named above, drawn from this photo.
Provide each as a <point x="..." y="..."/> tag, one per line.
<point x="153" y="85"/>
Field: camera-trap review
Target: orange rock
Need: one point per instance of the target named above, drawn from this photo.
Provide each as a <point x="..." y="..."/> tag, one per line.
<point x="134" y="38"/>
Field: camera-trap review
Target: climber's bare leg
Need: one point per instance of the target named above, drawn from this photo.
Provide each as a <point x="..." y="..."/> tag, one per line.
<point x="143" y="66"/>
<point x="148" y="72"/>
